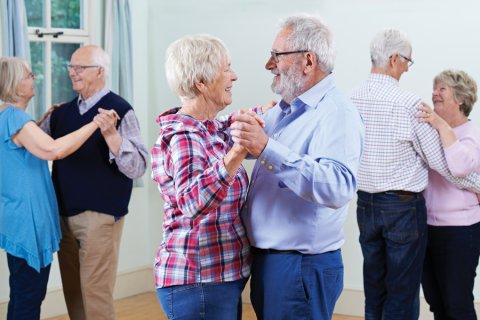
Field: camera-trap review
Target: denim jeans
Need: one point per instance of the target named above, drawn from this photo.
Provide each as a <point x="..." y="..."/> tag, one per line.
<point x="393" y="236"/>
<point x="27" y="289"/>
<point x="296" y="286"/>
<point x="203" y="301"/>
<point x="449" y="271"/>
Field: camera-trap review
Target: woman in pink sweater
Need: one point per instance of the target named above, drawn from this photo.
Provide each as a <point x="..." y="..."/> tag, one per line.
<point x="453" y="214"/>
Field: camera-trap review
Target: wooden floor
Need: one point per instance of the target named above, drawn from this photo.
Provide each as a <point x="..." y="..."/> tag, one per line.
<point x="145" y="307"/>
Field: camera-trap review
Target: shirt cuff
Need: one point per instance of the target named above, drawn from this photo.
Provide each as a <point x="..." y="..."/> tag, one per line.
<point x="274" y="156"/>
<point x="125" y="147"/>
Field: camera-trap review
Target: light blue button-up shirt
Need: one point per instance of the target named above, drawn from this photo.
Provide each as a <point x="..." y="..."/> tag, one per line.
<point x="306" y="175"/>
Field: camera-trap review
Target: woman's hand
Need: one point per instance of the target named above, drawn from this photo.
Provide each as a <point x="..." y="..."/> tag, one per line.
<point x="427" y="115"/>
<point x="259" y="119"/>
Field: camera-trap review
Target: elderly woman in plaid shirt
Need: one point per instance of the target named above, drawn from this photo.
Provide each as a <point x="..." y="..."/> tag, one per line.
<point x="204" y="260"/>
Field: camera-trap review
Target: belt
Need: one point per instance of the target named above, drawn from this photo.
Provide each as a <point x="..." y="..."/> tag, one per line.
<point x="273" y="251"/>
<point x="400" y="192"/>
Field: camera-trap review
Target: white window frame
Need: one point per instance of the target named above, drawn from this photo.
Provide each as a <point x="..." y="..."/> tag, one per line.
<point x="80" y="36"/>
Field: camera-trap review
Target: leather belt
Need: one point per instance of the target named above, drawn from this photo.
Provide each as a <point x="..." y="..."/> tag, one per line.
<point x="273" y="251"/>
<point x="400" y="192"/>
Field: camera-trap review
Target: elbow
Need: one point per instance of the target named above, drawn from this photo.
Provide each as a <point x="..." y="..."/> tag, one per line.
<point x="52" y="154"/>
<point x="342" y="199"/>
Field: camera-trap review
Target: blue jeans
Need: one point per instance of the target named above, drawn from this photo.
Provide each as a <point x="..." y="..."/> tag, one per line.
<point x="203" y="301"/>
<point x="296" y="286"/>
<point x="27" y="289"/>
<point x="449" y="271"/>
<point x="393" y="237"/>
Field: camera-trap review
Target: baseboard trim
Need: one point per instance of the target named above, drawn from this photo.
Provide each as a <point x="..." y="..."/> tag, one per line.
<point x="129" y="283"/>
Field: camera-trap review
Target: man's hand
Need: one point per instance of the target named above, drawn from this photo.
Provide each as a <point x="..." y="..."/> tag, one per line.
<point x="107" y="122"/>
<point x="247" y="131"/>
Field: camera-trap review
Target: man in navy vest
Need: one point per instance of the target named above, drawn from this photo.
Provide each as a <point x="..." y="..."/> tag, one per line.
<point x="93" y="185"/>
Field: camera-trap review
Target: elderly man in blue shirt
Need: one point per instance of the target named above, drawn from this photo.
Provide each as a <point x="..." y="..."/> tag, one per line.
<point x="305" y="176"/>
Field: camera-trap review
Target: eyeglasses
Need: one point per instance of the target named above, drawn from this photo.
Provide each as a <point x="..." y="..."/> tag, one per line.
<point x="275" y="54"/>
<point x="410" y="61"/>
<point x="30" y="75"/>
<point x="78" y="68"/>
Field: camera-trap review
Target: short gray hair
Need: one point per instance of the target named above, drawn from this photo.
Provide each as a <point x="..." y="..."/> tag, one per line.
<point x="312" y="34"/>
<point x="463" y="86"/>
<point x="385" y="44"/>
<point x="191" y="59"/>
<point x="12" y="72"/>
<point x="101" y="58"/>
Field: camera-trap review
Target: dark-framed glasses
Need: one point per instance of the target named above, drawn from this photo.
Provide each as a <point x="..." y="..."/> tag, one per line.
<point x="79" y="68"/>
<point x="276" y="54"/>
<point x="410" y="61"/>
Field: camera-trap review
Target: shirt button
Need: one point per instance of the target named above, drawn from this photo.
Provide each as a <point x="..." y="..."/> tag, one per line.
<point x="270" y="168"/>
<point x="262" y="162"/>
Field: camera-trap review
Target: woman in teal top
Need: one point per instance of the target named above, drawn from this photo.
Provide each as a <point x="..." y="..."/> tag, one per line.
<point x="29" y="221"/>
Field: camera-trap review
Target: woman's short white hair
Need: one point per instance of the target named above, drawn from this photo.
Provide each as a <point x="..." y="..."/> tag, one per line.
<point x="312" y="34"/>
<point x="191" y="59"/>
<point x="12" y="72"/>
<point x="385" y="44"/>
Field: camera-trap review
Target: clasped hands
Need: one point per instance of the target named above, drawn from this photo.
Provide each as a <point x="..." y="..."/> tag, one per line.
<point x="106" y="120"/>
<point x="247" y="132"/>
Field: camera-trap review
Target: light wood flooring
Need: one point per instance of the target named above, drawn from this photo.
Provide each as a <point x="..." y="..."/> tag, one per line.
<point x="146" y="307"/>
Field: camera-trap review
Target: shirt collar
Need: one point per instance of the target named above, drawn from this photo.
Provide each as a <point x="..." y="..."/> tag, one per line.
<point x="85" y="105"/>
<point x="383" y="78"/>
<point x="312" y="96"/>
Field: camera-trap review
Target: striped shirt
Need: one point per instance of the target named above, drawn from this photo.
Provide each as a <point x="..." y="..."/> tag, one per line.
<point x="398" y="148"/>
<point x="204" y="239"/>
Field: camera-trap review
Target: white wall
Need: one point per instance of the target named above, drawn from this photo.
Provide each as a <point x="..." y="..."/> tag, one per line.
<point x="443" y="34"/>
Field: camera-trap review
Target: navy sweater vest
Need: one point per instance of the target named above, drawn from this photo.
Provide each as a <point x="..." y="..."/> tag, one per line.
<point x="86" y="180"/>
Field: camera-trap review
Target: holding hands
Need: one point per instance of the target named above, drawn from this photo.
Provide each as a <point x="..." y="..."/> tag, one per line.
<point x="106" y="120"/>
<point x="247" y="131"/>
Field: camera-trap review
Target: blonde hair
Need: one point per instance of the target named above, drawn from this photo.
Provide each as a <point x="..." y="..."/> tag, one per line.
<point x="12" y="72"/>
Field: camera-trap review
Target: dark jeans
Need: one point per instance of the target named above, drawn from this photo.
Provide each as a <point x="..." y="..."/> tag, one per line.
<point x="449" y="271"/>
<point x="393" y="236"/>
<point x="296" y="286"/>
<point x="27" y="289"/>
<point x="203" y="301"/>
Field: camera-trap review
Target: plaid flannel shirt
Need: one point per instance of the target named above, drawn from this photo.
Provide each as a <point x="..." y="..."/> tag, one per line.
<point x="204" y="239"/>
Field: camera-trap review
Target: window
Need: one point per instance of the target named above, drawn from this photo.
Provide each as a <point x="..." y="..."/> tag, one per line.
<point x="56" y="29"/>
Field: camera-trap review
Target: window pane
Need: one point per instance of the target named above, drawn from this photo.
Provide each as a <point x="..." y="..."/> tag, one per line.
<point x="37" y="54"/>
<point x="66" y="14"/>
<point x="61" y="84"/>
<point x="35" y="13"/>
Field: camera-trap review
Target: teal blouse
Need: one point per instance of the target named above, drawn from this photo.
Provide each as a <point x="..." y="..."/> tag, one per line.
<point x="29" y="219"/>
